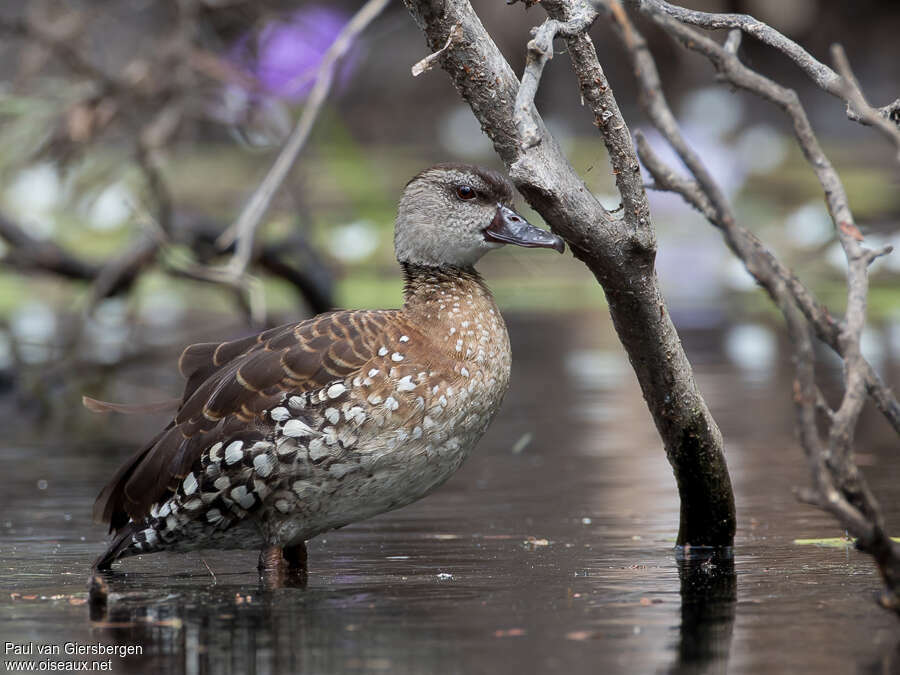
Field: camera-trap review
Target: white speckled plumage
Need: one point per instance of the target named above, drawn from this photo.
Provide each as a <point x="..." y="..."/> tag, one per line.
<point x="393" y="403"/>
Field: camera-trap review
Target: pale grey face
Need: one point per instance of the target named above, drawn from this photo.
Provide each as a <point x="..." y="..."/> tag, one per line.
<point x="451" y="215"/>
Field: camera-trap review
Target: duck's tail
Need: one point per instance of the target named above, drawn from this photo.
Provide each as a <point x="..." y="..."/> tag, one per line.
<point x="118" y="547"/>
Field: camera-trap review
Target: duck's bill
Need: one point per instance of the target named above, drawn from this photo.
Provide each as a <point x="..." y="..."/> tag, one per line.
<point x="508" y="227"/>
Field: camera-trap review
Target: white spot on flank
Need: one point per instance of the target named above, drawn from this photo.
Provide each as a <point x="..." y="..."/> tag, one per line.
<point x="190" y="484"/>
<point x="336" y="390"/>
<point x="404" y="338"/>
<point x="459" y="345"/>
<point x="464" y="372"/>
<point x="280" y="414"/>
<point x="452" y="330"/>
<point x="165" y="509"/>
<point x="296" y="402"/>
<point x="396" y="356"/>
<point x="242" y="497"/>
<point x="263" y="465"/>
<point x="295" y="429"/>
<point x="340" y="470"/>
<point x="285" y="447"/>
<point x="222" y="482"/>
<point x="417" y="432"/>
<point x="332" y="415"/>
<point x="282" y="505"/>
<point x="261" y="489"/>
<point x="233" y="452"/>
<point x="443" y="400"/>
<point x="383" y="351"/>
<point x="214" y="452"/>
<point x="214" y="515"/>
<point x="301" y="486"/>
<point x="374" y="399"/>
<point x="406" y="384"/>
<point x="391" y="403"/>
<point x="374" y="372"/>
<point x="317" y="449"/>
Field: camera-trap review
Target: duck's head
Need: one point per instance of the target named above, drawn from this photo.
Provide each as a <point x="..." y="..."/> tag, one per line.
<point x="452" y="214"/>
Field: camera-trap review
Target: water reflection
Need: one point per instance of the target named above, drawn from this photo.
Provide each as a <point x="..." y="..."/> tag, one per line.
<point x="708" y="600"/>
<point x="233" y="628"/>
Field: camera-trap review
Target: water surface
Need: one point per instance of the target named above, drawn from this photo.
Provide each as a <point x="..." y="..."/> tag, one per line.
<point x="550" y="551"/>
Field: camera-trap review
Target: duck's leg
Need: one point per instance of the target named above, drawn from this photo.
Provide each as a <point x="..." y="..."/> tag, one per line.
<point x="271" y="560"/>
<point x="280" y="567"/>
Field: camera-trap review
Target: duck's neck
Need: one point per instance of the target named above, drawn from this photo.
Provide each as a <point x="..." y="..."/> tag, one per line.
<point x="441" y="293"/>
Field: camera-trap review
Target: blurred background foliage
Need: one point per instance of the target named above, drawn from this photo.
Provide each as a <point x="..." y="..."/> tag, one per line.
<point x="132" y="132"/>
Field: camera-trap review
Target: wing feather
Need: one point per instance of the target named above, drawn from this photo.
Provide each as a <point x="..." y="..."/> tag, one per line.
<point x="229" y="386"/>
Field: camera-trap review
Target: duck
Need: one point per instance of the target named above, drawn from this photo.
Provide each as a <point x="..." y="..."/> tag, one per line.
<point x="304" y="428"/>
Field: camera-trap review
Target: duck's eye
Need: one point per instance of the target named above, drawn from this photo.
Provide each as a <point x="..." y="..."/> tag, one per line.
<point x="465" y="192"/>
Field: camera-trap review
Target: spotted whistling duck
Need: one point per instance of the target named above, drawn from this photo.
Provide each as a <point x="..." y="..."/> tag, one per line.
<point x="308" y="427"/>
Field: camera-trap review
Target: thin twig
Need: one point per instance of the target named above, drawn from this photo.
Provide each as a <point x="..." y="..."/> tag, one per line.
<point x="540" y="50"/>
<point x="856" y="100"/>
<point x="426" y="64"/>
<point x="823" y="76"/>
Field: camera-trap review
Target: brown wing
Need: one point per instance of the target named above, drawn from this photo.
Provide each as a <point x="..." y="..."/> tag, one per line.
<point x="228" y="387"/>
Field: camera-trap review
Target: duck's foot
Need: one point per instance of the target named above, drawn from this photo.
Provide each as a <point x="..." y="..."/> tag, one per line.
<point x="280" y="567"/>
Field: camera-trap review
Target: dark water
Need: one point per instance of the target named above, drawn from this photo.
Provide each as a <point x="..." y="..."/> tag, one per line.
<point x="548" y="555"/>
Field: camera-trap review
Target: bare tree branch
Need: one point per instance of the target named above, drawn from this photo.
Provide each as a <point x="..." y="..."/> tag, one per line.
<point x="824" y="77"/>
<point x="706" y="194"/>
<point x="838" y="486"/>
<point x="619" y="250"/>
<point x="857" y="106"/>
<point x="41" y="255"/>
<point x="540" y="50"/>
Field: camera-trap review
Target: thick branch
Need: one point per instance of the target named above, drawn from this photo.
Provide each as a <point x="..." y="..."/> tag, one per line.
<point x="619" y="251"/>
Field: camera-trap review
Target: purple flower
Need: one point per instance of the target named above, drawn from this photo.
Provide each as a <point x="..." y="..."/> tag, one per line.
<point x="285" y="54"/>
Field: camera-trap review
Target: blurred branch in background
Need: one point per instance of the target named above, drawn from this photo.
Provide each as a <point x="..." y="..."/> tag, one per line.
<point x="159" y="97"/>
<point x="839" y="486"/>
<point x="243" y="231"/>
